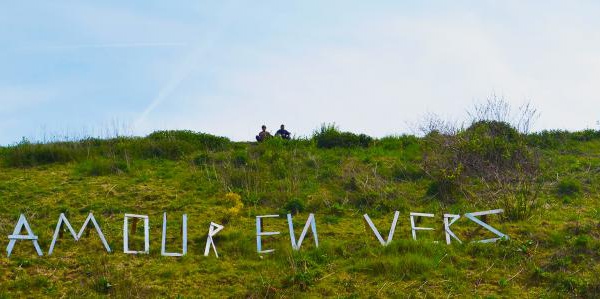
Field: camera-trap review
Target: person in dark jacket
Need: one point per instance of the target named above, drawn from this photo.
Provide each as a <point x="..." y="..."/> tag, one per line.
<point x="263" y="135"/>
<point x="283" y="133"/>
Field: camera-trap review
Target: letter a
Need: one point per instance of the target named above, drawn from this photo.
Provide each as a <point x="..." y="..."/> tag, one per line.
<point x="16" y="235"/>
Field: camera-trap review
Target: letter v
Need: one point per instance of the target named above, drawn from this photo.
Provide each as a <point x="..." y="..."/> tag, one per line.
<point x="392" y="229"/>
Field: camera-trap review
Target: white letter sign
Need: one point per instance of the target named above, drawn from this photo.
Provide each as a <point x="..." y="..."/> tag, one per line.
<point x="447" y="224"/>
<point x="310" y="222"/>
<point x="63" y="219"/>
<point x="16" y="235"/>
<point x="260" y="233"/>
<point x="146" y="234"/>
<point x="412" y="223"/>
<point x="376" y="232"/>
<point x="212" y="231"/>
<point x="163" y="248"/>
<point x="472" y="217"/>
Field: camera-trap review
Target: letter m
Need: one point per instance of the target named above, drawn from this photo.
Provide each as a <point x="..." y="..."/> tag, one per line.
<point x="63" y="219"/>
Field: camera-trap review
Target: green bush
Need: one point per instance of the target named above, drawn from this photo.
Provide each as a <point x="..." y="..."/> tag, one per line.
<point x="175" y="144"/>
<point x="240" y="158"/>
<point x="548" y="139"/>
<point x="407" y="171"/>
<point x="446" y="185"/>
<point x="488" y="148"/>
<point x="294" y="206"/>
<point x="27" y="154"/>
<point x="555" y="139"/>
<point x="161" y="144"/>
<point x="197" y="140"/>
<point x="305" y="269"/>
<point x="201" y="159"/>
<point x="165" y="149"/>
<point x="585" y="135"/>
<point x="102" y="285"/>
<point x="488" y="151"/>
<point x="329" y="136"/>
<point x="396" y="142"/>
<point x="520" y="201"/>
<point x="568" y="187"/>
<point x="100" y="167"/>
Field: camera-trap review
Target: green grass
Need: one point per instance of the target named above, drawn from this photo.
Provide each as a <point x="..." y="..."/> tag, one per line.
<point x="553" y="252"/>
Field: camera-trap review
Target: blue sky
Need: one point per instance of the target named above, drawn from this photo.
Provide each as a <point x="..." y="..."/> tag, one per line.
<point x="81" y="68"/>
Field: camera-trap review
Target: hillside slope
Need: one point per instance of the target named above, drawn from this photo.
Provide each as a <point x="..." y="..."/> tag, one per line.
<point x="553" y="250"/>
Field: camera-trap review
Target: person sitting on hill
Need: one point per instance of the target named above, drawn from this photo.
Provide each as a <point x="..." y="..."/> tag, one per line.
<point x="263" y="135"/>
<point x="283" y="133"/>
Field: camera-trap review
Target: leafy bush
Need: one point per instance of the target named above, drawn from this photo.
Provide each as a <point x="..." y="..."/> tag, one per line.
<point x="520" y="201"/>
<point x="162" y="144"/>
<point x="294" y="206"/>
<point x="568" y="187"/>
<point x="585" y="135"/>
<point x="407" y="171"/>
<point x="27" y="154"/>
<point x="201" y="140"/>
<point x="201" y="159"/>
<point x="489" y="148"/>
<point x="102" y="285"/>
<point x="548" y="139"/>
<point x="175" y="144"/>
<point x="100" y="167"/>
<point x="446" y="185"/>
<point x="240" y="158"/>
<point x="329" y="137"/>
<point x="555" y="139"/>
<point x="304" y="269"/>
<point x="165" y="149"/>
<point x="488" y="151"/>
<point x="234" y="204"/>
<point x="396" y="142"/>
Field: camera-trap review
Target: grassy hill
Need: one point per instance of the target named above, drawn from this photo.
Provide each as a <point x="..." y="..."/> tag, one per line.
<point x="546" y="182"/>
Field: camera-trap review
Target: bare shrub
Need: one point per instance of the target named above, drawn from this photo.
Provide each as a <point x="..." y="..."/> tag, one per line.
<point x="497" y="108"/>
<point x="434" y="124"/>
<point x="489" y="160"/>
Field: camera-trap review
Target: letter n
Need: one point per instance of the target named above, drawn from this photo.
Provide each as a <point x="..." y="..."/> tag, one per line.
<point x="309" y="222"/>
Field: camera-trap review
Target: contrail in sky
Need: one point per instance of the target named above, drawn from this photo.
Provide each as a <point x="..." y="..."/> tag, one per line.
<point x="185" y="68"/>
<point x="105" y="46"/>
